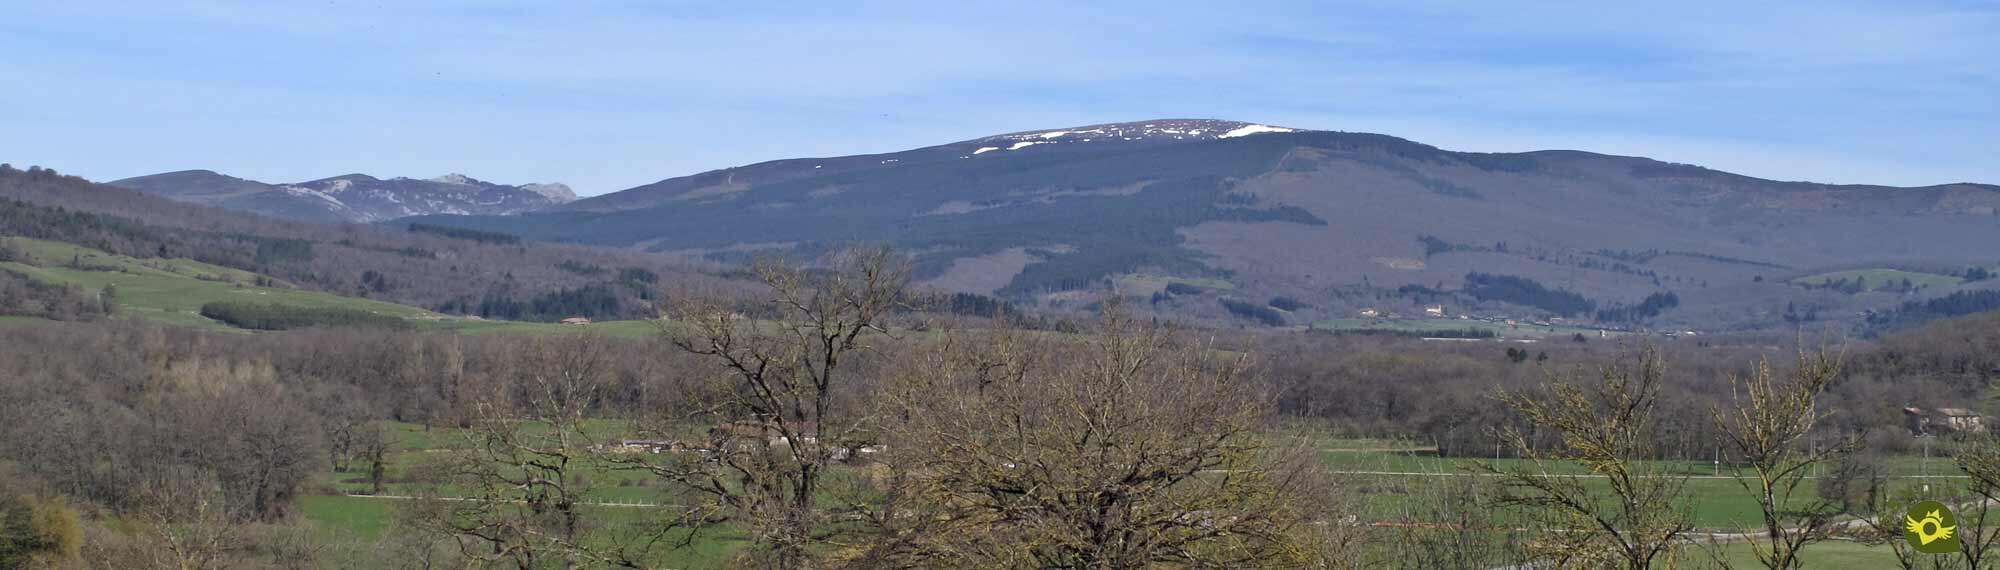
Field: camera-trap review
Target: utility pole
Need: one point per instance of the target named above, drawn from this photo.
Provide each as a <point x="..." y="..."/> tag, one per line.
<point x="1925" y="470"/>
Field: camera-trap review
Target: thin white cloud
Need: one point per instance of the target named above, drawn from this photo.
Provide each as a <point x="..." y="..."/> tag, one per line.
<point x="606" y="96"/>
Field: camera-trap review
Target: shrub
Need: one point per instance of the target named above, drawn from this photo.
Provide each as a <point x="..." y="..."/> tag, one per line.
<point x="277" y="317"/>
<point x="1287" y="303"/>
<point x="1252" y="311"/>
<point x="1524" y="291"/>
<point x="465" y="234"/>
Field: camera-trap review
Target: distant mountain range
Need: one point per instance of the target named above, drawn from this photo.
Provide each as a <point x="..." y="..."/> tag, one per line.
<point x="1198" y="216"/>
<point x="352" y="197"/>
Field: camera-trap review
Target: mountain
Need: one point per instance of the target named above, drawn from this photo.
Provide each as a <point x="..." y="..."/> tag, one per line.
<point x="353" y="197"/>
<point x="442" y="271"/>
<point x="1335" y="221"/>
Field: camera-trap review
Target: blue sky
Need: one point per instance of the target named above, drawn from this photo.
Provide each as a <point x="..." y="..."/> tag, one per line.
<point x="609" y="95"/>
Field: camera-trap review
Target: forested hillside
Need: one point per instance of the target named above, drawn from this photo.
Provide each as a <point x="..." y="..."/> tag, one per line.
<point x="1344" y="222"/>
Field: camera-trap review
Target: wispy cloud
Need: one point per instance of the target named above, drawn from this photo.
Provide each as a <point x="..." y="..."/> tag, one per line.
<point x="607" y="95"/>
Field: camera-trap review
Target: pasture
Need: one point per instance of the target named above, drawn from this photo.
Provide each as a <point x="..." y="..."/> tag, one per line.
<point x="1380" y="481"/>
<point x="172" y="291"/>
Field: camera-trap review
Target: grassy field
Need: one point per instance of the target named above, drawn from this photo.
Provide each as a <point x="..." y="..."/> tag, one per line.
<point x="1386" y="478"/>
<point x="369" y="519"/>
<point x="1143" y="284"/>
<point x="619" y="329"/>
<point x="7" y="321"/>
<point x="172" y="291"/>
<point x="1383" y="479"/>
<point x="1833" y="555"/>
<point x="1881" y="278"/>
<point x="1421" y="326"/>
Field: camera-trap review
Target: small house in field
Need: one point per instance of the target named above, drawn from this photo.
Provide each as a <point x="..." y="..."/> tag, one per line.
<point x="1370" y="313"/>
<point x="761" y="432"/>
<point x="576" y="321"/>
<point x="1434" y="310"/>
<point x="643" y="446"/>
<point x="1943" y="420"/>
<point x="1961" y="420"/>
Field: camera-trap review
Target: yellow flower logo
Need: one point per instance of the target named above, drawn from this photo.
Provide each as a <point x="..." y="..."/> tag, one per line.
<point x="1929" y="529"/>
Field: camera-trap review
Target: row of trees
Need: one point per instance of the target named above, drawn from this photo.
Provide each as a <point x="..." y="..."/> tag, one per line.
<point x="278" y="316"/>
<point x="1527" y="292"/>
<point x="25" y="296"/>
<point x="1917" y="312"/>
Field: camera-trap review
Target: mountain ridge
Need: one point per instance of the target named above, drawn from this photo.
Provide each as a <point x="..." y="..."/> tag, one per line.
<point x="353" y="197"/>
<point x="1069" y="216"/>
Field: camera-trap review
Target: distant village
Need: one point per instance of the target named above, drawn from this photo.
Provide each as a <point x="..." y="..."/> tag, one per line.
<point x="1508" y="323"/>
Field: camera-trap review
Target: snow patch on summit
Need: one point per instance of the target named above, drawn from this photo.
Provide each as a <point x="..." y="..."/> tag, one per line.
<point x="555" y="191"/>
<point x="1247" y="130"/>
<point x="1160" y="130"/>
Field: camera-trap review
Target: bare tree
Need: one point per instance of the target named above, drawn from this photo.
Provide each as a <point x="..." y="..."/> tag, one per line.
<point x="1979" y="525"/>
<point x="1446" y="523"/>
<point x="1767" y="428"/>
<point x="189" y="524"/>
<point x="1127" y="448"/>
<point x="1888" y="528"/>
<point x="787" y="405"/>
<point x="522" y="487"/>
<point x="1606" y="428"/>
<point x="373" y="442"/>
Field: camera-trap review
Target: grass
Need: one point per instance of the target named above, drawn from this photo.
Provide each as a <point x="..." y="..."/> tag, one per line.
<point x="358" y="517"/>
<point x="173" y="290"/>
<point x="368" y="518"/>
<point x="339" y="518"/>
<point x="1388" y="476"/>
<point x="7" y="321"/>
<point x="1384" y="477"/>
<point x="1712" y="504"/>
<point x="1880" y="278"/>
<point x="1143" y="284"/>
<point x="617" y="329"/>
<point x="1831" y="555"/>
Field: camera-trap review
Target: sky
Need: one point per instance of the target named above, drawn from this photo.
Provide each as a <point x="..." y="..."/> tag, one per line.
<point x="605" y="96"/>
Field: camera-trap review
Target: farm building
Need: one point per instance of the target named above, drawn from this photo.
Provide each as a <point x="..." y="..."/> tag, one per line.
<point x="1943" y="420"/>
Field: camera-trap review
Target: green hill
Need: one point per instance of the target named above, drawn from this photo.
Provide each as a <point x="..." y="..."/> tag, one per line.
<point x="173" y="290"/>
